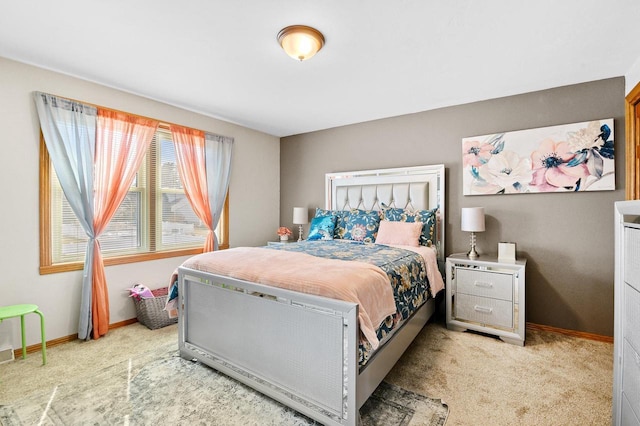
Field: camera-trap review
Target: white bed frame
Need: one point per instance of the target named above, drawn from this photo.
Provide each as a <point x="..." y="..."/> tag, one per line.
<point x="300" y="349"/>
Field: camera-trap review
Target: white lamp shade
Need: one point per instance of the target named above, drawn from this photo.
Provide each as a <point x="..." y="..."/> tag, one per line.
<point x="300" y="216"/>
<point x="472" y="219"/>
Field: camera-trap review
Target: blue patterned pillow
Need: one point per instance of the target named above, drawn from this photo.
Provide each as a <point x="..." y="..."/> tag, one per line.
<point x="427" y="217"/>
<point x="362" y="225"/>
<point x="322" y="228"/>
<point x="340" y="215"/>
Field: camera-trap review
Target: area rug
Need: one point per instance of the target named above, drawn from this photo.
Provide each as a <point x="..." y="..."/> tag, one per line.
<point x="167" y="389"/>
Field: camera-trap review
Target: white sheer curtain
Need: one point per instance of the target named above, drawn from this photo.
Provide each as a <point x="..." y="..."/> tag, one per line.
<point x="69" y="130"/>
<point x="218" y="156"/>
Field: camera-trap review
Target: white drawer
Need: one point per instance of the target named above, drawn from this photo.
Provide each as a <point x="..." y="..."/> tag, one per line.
<point x="484" y="283"/>
<point x="631" y="377"/>
<point x="631" y="318"/>
<point x="628" y="417"/>
<point x="483" y="310"/>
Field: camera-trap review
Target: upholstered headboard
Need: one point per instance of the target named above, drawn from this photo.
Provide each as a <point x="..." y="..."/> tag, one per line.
<point x="414" y="188"/>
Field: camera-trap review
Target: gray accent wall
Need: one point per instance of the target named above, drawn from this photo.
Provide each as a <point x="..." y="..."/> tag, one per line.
<point x="566" y="238"/>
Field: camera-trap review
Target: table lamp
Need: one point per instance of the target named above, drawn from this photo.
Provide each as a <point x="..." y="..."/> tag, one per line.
<point x="300" y="217"/>
<point x="472" y="221"/>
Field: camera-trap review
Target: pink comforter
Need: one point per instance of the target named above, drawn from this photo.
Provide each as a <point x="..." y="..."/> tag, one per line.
<point x="358" y="282"/>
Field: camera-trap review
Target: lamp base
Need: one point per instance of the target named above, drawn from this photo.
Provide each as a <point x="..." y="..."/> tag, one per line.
<point x="300" y="233"/>
<point x="473" y="254"/>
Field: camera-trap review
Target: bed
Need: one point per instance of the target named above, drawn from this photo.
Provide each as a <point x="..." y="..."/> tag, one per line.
<point x="306" y="350"/>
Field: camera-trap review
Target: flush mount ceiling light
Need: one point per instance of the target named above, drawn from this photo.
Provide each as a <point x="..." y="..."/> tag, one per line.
<point x="300" y="42"/>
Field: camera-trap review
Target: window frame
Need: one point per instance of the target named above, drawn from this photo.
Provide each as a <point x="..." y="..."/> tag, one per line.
<point x="48" y="267"/>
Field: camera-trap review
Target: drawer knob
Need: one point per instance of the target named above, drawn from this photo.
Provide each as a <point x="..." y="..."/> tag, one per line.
<point x="484" y="309"/>
<point x="483" y="284"/>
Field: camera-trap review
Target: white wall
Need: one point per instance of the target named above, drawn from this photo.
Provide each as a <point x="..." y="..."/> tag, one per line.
<point x="632" y="77"/>
<point x="255" y="181"/>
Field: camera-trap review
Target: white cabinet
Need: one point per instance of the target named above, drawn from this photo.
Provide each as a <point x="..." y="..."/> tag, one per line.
<point x="626" y="340"/>
<point x="486" y="295"/>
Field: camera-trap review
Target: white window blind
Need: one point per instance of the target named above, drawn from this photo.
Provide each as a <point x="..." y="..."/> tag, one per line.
<point x="154" y="216"/>
<point x="178" y="223"/>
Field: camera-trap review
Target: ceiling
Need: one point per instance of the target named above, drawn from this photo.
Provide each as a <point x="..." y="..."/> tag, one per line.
<point x="382" y="58"/>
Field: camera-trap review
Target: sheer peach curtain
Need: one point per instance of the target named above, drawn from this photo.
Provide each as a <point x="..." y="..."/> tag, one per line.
<point x="190" y="156"/>
<point x="121" y="143"/>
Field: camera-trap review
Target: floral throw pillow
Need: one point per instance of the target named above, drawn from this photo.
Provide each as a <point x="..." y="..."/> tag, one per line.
<point x="322" y="228"/>
<point x="340" y="217"/>
<point x="362" y="225"/>
<point x="427" y="217"/>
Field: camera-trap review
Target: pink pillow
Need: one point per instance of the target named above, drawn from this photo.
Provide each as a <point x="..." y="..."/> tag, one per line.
<point x="399" y="233"/>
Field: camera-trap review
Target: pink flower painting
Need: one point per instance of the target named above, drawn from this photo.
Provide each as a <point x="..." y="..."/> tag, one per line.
<point x="567" y="158"/>
<point x="475" y="153"/>
<point x="551" y="167"/>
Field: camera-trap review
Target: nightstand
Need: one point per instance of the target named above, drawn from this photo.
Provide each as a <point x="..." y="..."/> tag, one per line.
<point x="486" y="295"/>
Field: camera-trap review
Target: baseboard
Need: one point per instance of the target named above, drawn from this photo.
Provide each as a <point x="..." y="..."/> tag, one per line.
<point x="6" y="355"/>
<point x="574" y="333"/>
<point x="60" y="340"/>
<point x="530" y="326"/>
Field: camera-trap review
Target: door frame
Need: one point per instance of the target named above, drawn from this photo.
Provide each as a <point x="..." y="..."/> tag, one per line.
<point x="632" y="145"/>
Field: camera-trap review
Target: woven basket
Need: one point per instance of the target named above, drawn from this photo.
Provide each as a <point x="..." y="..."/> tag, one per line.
<point x="150" y="311"/>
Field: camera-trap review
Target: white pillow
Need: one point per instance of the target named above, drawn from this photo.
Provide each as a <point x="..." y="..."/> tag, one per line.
<point x="399" y="233"/>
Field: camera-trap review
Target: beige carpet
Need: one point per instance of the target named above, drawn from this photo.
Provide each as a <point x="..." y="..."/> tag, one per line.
<point x="553" y="380"/>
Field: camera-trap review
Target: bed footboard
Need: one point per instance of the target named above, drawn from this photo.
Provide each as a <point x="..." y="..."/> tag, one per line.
<point x="298" y="349"/>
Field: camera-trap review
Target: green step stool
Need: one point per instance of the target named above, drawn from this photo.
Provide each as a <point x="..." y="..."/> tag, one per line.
<point x="20" y="311"/>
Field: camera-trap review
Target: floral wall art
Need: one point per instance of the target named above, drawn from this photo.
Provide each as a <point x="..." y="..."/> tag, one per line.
<point x="566" y="158"/>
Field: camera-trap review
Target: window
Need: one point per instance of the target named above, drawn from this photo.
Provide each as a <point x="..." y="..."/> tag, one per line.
<point x="154" y="221"/>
